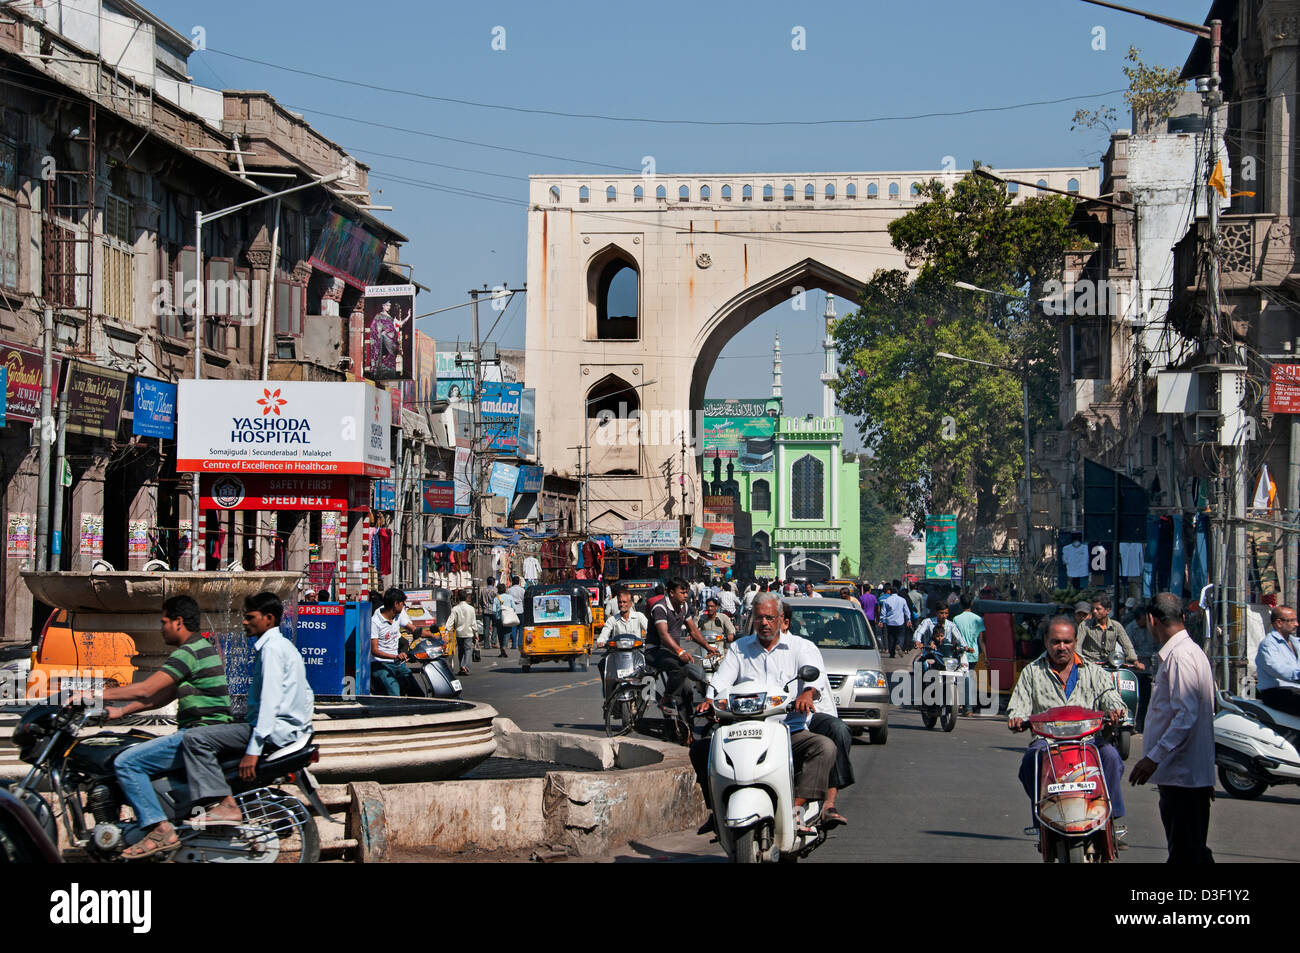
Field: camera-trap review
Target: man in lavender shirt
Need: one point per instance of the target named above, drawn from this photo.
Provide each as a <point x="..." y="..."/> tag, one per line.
<point x="868" y="600"/>
<point x="1178" y="743"/>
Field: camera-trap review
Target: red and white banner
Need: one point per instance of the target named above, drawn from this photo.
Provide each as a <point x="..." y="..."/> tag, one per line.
<point x="229" y="491"/>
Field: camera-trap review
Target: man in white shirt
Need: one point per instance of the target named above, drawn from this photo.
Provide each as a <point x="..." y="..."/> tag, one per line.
<point x="461" y="622"/>
<point x="388" y="672"/>
<point x="771" y="660"/>
<point x="1178" y="744"/>
<point x="623" y="622"/>
<point x="280" y="706"/>
<point x="728" y="602"/>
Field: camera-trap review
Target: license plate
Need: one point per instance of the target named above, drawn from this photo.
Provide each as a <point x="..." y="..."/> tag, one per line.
<point x="752" y="731"/>
<point x="1071" y="787"/>
<point x="455" y="684"/>
<point x="625" y="672"/>
<point x="551" y="633"/>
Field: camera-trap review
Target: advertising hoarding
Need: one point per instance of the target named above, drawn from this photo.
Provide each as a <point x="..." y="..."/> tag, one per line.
<point x="95" y="397"/>
<point x="940" y="546"/>
<point x="153" y="408"/>
<point x="303" y="427"/>
<point x="651" y="535"/>
<point x="390" y="351"/>
<point x="742" y="432"/>
<point x="229" y="491"/>
<point x="23" y="381"/>
<point x="499" y="409"/>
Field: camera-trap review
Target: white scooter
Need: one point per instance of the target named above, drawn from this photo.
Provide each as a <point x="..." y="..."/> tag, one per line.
<point x="1254" y="746"/>
<point x="751" y="777"/>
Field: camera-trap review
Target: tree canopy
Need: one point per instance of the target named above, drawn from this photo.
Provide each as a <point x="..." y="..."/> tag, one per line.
<point x="947" y="436"/>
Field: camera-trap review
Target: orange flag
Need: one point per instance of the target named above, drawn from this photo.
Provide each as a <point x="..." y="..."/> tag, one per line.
<point x="1216" y="180"/>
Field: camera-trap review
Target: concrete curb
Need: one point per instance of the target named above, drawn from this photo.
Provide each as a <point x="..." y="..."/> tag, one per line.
<point x="582" y="813"/>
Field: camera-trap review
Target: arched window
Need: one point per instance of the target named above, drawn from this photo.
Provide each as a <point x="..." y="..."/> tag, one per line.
<point x="726" y="193"/>
<point x="747" y="193"/>
<point x="704" y="193"/>
<point x="830" y="190"/>
<point x="583" y="194"/>
<point x="612" y="398"/>
<point x="767" y="193"/>
<point x="611" y="194"/>
<point x="1042" y="183"/>
<point x="638" y="194"/>
<point x="661" y="194"/>
<point x="893" y="190"/>
<point x="914" y="190"/>
<point x="611" y="405"/>
<point x="760" y="496"/>
<point x="789" y="192"/>
<point x="762" y="548"/>
<point x="873" y="190"/>
<point x="1072" y="187"/>
<point x="1013" y="188"/>
<point x="806" y="496"/>
<point x="614" y="285"/>
<point x="808" y="192"/>
<point x="555" y="193"/>
<point x="684" y="193"/>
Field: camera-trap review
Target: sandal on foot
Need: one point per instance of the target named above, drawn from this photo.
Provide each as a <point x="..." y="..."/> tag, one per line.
<point x="832" y="818"/>
<point x="152" y="843"/>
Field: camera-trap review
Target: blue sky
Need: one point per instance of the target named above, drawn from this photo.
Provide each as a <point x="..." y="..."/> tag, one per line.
<point x="670" y="60"/>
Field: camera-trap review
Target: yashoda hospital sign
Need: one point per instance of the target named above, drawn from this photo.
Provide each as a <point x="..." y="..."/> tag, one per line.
<point x="270" y="427"/>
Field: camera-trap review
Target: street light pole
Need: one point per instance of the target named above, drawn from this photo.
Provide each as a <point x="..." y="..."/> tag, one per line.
<point x="201" y="219"/>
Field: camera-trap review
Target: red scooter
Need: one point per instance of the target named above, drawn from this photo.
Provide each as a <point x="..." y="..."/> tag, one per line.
<point x="1073" y="804"/>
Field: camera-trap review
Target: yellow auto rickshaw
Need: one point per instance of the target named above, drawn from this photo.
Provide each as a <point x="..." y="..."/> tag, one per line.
<point x="596" y="604"/>
<point x="557" y="626"/>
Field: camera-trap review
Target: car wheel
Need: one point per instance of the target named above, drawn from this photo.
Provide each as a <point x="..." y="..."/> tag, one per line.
<point x="856" y="732"/>
<point x="879" y="735"/>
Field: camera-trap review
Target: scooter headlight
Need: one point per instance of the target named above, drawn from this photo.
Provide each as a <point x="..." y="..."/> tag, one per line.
<point x="747" y="704"/>
<point x="1068" y="729"/>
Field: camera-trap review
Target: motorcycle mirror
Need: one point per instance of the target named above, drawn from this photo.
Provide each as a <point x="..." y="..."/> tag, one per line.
<point x="809" y="673"/>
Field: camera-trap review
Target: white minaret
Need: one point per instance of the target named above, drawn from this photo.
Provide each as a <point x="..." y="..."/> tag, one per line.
<point x="828" y="371"/>
<point x="776" y="366"/>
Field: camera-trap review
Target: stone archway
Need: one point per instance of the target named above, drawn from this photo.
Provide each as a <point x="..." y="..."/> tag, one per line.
<point x="711" y="253"/>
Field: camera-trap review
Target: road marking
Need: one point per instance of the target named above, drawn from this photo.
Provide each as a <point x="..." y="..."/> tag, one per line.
<point x="561" y="688"/>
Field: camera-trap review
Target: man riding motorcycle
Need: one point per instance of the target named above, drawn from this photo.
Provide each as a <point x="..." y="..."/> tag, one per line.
<point x="1060" y="677"/>
<point x="669" y="619"/>
<point x="195" y="678"/>
<point x="715" y="621"/>
<point x="1098" y="634"/>
<point x="771" y="659"/>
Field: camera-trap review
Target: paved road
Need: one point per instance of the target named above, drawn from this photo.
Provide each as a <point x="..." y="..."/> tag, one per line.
<point x="923" y="796"/>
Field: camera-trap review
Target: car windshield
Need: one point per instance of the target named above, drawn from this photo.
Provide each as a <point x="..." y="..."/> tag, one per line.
<point x="832" y="627"/>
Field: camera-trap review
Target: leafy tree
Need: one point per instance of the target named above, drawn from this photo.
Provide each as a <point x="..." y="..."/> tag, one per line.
<point x="947" y="436"/>
<point x="1152" y="94"/>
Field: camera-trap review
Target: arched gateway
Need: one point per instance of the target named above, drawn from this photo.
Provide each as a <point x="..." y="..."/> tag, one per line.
<point x="631" y="300"/>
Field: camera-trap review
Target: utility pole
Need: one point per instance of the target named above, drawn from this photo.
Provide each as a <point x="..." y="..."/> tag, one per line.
<point x="582" y="476"/>
<point x="476" y="407"/>
<point x="60" y="461"/>
<point x="45" y="433"/>
<point x="685" y="518"/>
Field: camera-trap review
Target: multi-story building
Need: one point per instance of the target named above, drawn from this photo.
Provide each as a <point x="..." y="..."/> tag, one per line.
<point x="107" y="151"/>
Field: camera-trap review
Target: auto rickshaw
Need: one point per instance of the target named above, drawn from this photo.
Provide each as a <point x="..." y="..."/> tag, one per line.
<point x="557" y="626"/>
<point x="1011" y="639"/>
<point x="596" y="604"/>
<point x="643" y="590"/>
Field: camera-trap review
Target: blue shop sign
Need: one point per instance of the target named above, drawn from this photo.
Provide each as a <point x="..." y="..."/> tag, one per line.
<point x="154" y="408"/>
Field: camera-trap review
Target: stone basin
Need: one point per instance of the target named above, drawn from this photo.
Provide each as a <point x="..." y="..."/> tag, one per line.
<point x="371" y="739"/>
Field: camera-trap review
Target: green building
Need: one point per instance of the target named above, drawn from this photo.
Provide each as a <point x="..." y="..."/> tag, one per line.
<point x="804" y="511"/>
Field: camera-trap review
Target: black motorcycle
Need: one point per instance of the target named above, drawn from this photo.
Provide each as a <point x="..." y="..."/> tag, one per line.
<point x="277" y="827"/>
<point x="625" y="681"/>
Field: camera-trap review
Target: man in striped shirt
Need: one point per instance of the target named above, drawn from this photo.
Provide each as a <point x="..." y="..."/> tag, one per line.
<point x="195" y="678"/>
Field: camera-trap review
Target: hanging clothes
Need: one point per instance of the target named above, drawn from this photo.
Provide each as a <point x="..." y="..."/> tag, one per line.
<point x="384" y="562"/>
<point x="1164" y="553"/>
<point x="1177" y="567"/>
<point x="1153" y="552"/>
<point x="532" y="569"/>
<point x="1130" y="560"/>
<point x="1198" y="571"/>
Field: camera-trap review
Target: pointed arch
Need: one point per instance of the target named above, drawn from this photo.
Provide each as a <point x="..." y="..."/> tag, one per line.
<point x="613" y="295"/>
